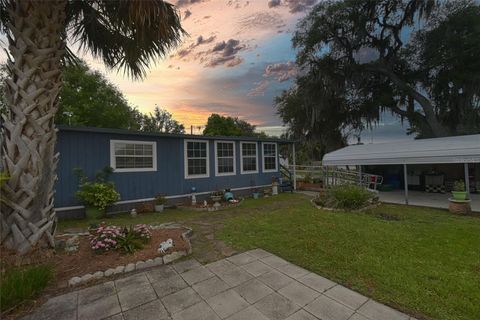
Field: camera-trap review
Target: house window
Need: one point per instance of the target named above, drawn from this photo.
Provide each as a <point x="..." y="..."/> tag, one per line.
<point x="224" y="158"/>
<point x="249" y="157"/>
<point x="269" y="157"/>
<point x="196" y="159"/>
<point x="131" y="156"/>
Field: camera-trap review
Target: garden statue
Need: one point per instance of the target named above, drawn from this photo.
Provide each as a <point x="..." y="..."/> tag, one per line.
<point x="165" y="245"/>
<point x="194" y="198"/>
<point x="274" y="186"/>
<point x="133" y="213"/>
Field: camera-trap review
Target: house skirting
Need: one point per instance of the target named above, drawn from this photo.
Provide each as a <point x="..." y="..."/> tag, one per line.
<point x="78" y="212"/>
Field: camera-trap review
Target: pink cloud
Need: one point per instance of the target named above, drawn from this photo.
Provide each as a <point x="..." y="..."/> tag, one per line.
<point x="279" y="72"/>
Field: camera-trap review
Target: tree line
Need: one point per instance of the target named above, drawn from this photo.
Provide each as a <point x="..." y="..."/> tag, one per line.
<point x="89" y="99"/>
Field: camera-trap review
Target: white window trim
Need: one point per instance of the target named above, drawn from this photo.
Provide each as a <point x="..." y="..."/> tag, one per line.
<point x="185" y="158"/>
<point x="241" y="157"/>
<point x="234" y="160"/>
<point x="263" y="157"/>
<point x="113" y="159"/>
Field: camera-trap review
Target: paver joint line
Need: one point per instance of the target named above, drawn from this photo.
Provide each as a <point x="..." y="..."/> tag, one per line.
<point x="271" y="289"/>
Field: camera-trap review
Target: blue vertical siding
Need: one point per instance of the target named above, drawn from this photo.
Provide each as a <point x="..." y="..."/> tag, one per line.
<point x="90" y="151"/>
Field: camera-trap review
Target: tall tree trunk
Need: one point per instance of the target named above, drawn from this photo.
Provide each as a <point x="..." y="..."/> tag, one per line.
<point x="36" y="46"/>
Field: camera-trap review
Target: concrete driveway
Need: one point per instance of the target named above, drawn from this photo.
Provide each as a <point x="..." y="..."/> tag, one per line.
<point x="254" y="285"/>
<point x="425" y="199"/>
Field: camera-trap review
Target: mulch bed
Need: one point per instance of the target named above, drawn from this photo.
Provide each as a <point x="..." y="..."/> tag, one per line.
<point x="70" y="264"/>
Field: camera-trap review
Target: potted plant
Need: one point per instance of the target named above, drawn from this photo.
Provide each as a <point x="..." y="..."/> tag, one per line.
<point x="228" y="195"/>
<point x="97" y="197"/>
<point x="255" y="193"/>
<point x="459" y="192"/>
<point x="160" y="202"/>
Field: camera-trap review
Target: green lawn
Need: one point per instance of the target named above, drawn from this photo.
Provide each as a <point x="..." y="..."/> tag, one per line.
<point x="423" y="261"/>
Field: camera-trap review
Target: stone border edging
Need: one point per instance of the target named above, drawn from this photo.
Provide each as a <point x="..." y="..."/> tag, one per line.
<point x="372" y="206"/>
<point x="139" y="265"/>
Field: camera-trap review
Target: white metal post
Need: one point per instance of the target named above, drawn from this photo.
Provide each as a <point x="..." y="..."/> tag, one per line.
<point x="405" y="181"/>
<point x="294" y="168"/>
<point x="325" y="177"/>
<point x="467" y="180"/>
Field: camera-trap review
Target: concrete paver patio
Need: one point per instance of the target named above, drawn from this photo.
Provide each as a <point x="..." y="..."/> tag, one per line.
<point x="254" y="285"/>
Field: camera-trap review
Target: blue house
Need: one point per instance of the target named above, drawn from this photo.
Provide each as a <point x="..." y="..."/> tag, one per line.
<point x="147" y="164"/>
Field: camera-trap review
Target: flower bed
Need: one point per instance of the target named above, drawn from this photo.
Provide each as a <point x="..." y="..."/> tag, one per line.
<point x="85" y="260"/>
<point x="106" y="238"/>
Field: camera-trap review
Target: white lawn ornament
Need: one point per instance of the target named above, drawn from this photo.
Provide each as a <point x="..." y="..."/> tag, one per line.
<point x="165" y="245"/>
<point x="194" y="199"/>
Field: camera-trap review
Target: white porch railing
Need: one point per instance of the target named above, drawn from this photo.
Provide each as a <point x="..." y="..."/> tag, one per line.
<point x="330" y="176"/>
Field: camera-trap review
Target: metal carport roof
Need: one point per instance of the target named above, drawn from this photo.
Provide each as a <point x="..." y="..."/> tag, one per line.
<point x="457" y="149"/>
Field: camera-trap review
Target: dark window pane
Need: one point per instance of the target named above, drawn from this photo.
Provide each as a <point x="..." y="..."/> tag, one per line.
<point x="225" y="165"/>
<point x="120" y="162"/>
<point x="197" y="166"/>
<point x="269" y="149"/>
<point x="249" y="149"/>
<point x="147" y="148"/>
<point x="138" y="149"/>
<point x="249" y="164"/>
<point x="120" y="149"/>
<point x="143" y="162"/>
<point x="270" y="163"/>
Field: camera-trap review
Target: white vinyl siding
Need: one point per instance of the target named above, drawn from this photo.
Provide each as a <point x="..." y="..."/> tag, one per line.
<point x="133" y="156"/>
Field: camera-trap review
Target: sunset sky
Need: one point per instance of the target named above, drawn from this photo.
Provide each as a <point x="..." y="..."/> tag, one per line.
<point x="237" y="58"/>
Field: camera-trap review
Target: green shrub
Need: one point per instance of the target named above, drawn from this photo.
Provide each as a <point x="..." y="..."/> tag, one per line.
<point x="160" y="199"/>
<point x="18" y="285"/>
<point x="307" y="178"/>
<point x="130" y="240"/>
<point x="349" y="197"/>
<point x="98" y="194"/>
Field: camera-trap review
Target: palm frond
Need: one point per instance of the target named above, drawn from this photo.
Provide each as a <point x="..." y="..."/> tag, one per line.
<point x="70" y="58"/>
<point x="127" y="34"/>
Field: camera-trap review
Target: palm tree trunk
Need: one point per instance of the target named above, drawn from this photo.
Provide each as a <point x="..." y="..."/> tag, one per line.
<point x="36" y="47"/>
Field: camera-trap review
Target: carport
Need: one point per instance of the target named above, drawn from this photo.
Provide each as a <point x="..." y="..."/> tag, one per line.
<point x="448" y="150"/>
